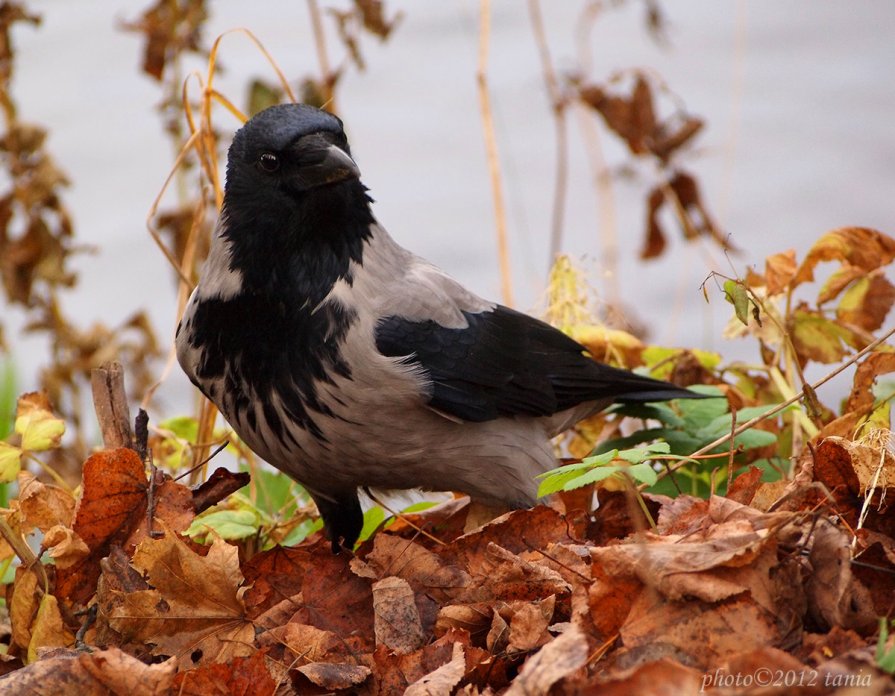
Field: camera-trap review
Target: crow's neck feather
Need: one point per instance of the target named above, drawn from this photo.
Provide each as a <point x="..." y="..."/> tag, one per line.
<point x="297" y="243"/>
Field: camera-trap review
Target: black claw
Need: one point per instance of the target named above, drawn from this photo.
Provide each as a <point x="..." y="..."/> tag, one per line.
<point x="342" y="518"/>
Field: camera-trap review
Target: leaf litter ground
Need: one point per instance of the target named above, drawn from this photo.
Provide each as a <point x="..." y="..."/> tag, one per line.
<point x="554" y="599"/>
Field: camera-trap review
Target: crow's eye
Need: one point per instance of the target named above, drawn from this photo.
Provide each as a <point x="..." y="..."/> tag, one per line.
<point x="269" y="162"/>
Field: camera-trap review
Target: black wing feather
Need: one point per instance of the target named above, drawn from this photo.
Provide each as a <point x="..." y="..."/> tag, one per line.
<point x="507" y="363"/>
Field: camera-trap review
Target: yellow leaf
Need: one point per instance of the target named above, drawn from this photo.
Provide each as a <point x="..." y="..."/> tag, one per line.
<point x="820" y="339"/>
<point x="48" y="631"/>
<point x="10" y="462"/>
<point x="35" y="422"/>
<point x="867" y="302"/>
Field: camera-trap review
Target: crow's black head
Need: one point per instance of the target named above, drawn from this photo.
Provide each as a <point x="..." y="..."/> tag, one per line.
<point x="289" y="149"/>
<point x="294" y="209"/>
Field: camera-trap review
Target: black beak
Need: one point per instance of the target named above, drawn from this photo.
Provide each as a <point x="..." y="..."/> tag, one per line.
<point x="321" y="162"/>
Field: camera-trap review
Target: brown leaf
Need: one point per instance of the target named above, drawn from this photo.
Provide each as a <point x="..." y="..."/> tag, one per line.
<point x="44" y="505"/>
<point x="113" y="497"/>
<point x="335" y="676"/>
<point x="23" y="606"/>
<point x="744" y="486"/>
<point x="195" y="611"/>
<point x="631" y="118"/>
<point x="65" y="546"/>
<point x="780" y="269"/>
<point x="172" y="510"/>
<point x="558" y="659"/>
<point x="113" y="500"/>
<point x="311" y="644"/>
<point x="423" y="569"/>
<point x="833" y="468"/>
<point x="441" y="681"/>
<point x="117" y="581"/>
<point x="655" y="239"/>
<point x="335" y="599"/>
<point x="246" y="676"/>
<point x="473" y="618"/>
<point x="97" y="673"/>
<point x="520" y="530"/>
<point x="528" y="624"/>
<point x="654" y="678"/>
<point x="122" y="674"/>
<point x="866" y="303"/>
<point x="706" y="632"/>
<point x="864" y="248"/>
<point x="217" y="487"/>
<point x="835" y="596"/>
<point x="170" y="28"/>
<point x="861" y="398"/>
<point x="397" y="619"/>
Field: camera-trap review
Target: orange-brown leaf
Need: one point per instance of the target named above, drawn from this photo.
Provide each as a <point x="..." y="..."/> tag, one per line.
<point x="864" y="248"/>
<point x="780" y="269"/>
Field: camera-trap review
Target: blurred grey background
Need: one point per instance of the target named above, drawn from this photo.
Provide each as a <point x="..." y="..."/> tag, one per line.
<point x="798" y="97"/>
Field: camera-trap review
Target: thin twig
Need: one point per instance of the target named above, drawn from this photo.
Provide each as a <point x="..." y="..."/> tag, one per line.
<point x="326" y="76"/>
<point x="780" y="407"/>
<point x="491" y="152"/>
<point x="558" y="104"/>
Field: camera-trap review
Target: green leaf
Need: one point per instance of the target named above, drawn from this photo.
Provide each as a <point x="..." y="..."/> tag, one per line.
<point x="184" y="427"/>
<point x="302" y="531"/>
<point x="228" y="524"/>
<point x="596" y="474"/>
<point x="643" y="473"/>
<point x="373" y="517"/>
<point x="736" y="293"/>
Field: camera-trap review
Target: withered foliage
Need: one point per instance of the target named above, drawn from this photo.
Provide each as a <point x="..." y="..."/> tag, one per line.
<point x="37" y="242"/>
<point x="633" y="116"/>
<point x="787" y="576"/>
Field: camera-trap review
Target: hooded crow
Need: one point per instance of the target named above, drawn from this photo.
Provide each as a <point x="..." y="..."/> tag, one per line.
<point x="345" y="360"/>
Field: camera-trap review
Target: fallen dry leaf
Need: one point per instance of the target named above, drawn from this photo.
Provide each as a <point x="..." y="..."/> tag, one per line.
<point x="558" y="659"/>
<point x="335" y="676"/>
<point x="397" y="619"/>
<point x="441" y="681"/>
<point x="245" y="676"/>
<point x="195" y="611"/>
<point x="48" y="630"/>
<point x="835" y="596"/>
<point x="661" y="677"/>
<point x="99" y="673"/>
<point x="703" y="632"/>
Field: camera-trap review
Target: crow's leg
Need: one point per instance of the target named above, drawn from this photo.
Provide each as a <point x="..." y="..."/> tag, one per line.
<point x="342" y="517"/>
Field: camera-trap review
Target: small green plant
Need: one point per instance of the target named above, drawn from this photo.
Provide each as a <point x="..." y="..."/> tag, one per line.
<point x="885" y="656"/>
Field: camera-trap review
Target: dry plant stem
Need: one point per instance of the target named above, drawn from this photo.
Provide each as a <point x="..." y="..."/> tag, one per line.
<point x="110" y="403"/>
<point x="789" y="402"/>
<point x="24" y="552"/>
<point x="491" y="152"/>
<point x="398" y="516"/>
<point x="562" y="140"/>
<point x="605" y="203"/>
<point x="326" y="76"/>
